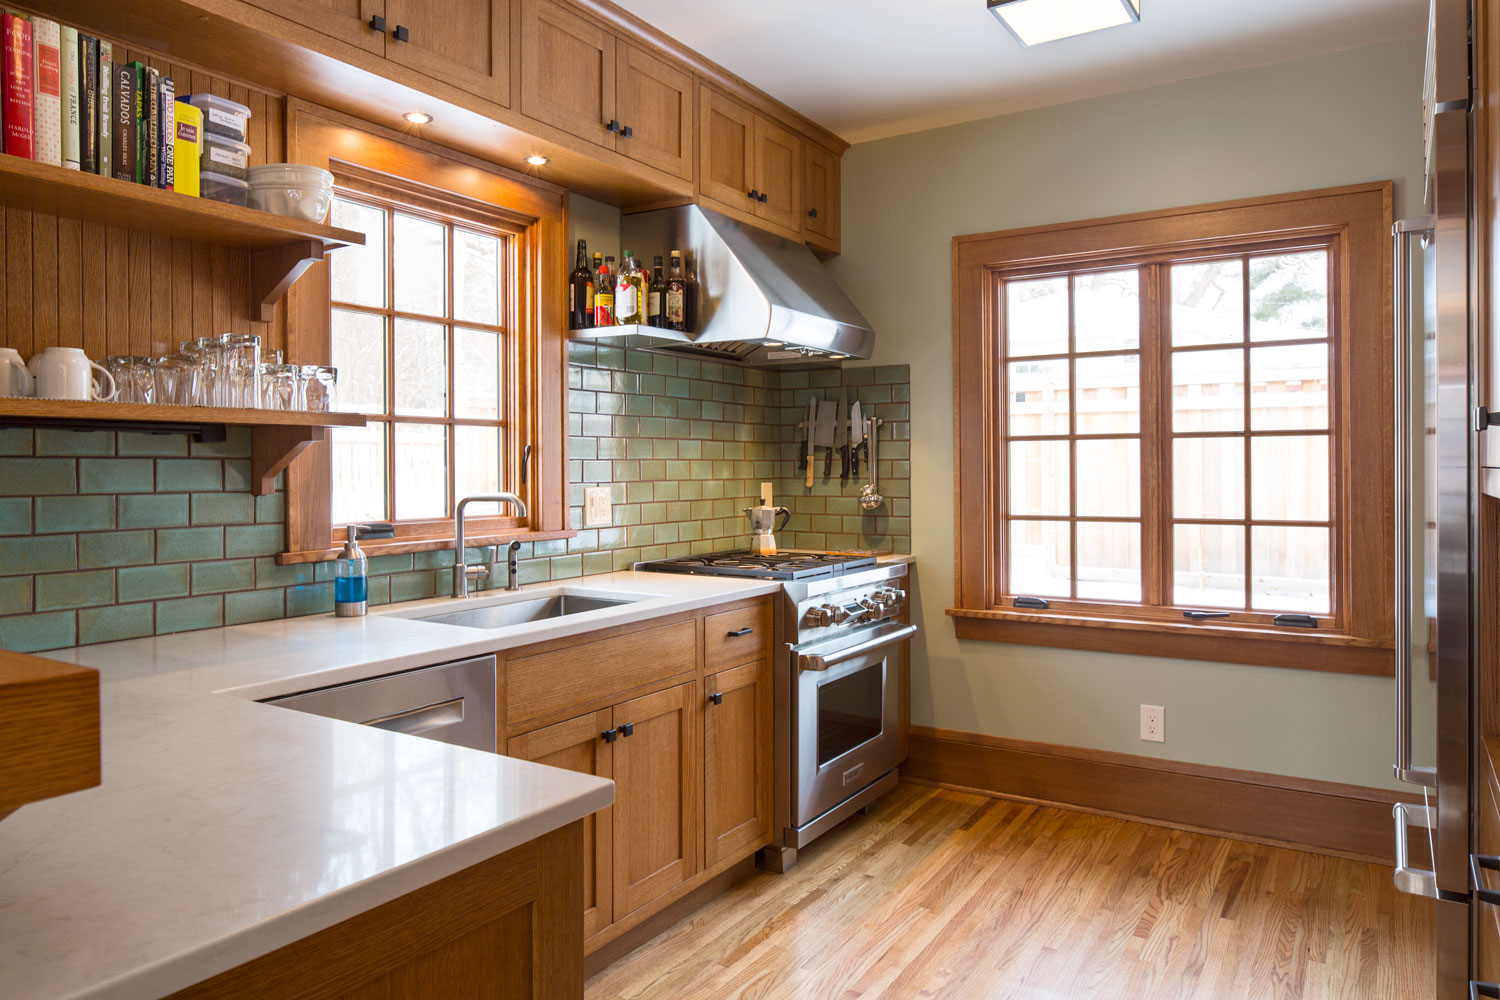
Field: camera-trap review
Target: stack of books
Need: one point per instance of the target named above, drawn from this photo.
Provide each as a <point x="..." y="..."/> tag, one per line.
<point x="66" y="101"/>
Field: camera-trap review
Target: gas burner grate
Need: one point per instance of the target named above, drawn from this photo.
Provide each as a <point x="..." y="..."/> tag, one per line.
<point x="793" y="565"/>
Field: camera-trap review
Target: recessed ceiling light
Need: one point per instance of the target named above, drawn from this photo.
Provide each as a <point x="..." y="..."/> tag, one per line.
<point x="417" y="117"/>
<point x="1033" y="22"/>
<point x="537" y="160"/>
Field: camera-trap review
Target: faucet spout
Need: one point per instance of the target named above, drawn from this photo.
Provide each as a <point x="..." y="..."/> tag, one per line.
<point x="460" y="576"/>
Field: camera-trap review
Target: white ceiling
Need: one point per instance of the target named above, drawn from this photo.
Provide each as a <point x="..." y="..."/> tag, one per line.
<point x="873" y="68"/>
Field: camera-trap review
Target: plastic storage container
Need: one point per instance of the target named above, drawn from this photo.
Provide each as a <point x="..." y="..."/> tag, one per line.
<point x="226" y="157"/>
<point x="222" y="116"/>
<point x="217" y="187"/>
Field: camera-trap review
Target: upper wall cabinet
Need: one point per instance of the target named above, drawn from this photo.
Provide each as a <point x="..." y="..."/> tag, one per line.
<point x="820" y="198"/>
<point x="465" y="43"/>
<point x="778" y="176"/>
<point x="578" y="77"/>
<point x="750" y="165"/>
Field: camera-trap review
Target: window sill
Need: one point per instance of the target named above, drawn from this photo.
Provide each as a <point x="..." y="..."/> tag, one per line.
<point x="1303" y="650"/>
<point x="421" y="543"/>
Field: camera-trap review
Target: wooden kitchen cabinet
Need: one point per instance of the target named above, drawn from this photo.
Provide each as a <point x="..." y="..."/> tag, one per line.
<point x="654" y="103"/>
<point x="749" y="165"/>
<point x="778" y="176"/>
<point x="821" y="199"/>
<point x="737" y="748"/>
<point x="582" y="745"/>
<point x="345" y="20"/>
<point x="567" y="71"/>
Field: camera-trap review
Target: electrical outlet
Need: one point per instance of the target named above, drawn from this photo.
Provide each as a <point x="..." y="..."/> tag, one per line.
<point x="1154" y="723"/>
<point x="596" y="507"/>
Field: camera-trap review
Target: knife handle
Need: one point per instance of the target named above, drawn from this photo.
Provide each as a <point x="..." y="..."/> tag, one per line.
<point x="828" y="463"/>
<point x="844" y="464"/>
<point x="809" y="472"/>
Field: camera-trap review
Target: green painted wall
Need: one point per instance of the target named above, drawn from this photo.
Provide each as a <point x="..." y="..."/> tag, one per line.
<point x="1333" y="119"/>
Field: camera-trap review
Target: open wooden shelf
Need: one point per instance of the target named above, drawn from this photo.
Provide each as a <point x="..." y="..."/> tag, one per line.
<point x="280" y="248"/>
<point x="276" y="436"/>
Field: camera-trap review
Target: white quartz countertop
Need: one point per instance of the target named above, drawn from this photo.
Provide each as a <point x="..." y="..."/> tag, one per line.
<point x="225" y="829"/>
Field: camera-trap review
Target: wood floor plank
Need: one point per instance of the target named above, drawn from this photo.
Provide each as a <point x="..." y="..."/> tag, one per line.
<point x="947" y="895"/>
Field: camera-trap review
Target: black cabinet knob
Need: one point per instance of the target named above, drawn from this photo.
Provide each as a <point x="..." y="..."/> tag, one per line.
<point x="609" y="735"/>
<point x="717" y="698"/>
<point x="402" y="33"/>
<point x="628" y="132"/>
<point x="627" y="729"/>
<point x="812" y="213"/>
<point x="377" y="23"/>
<point x="613" y="126"/>
<point x="762" y="198"/>
<point x="754" y="195"/>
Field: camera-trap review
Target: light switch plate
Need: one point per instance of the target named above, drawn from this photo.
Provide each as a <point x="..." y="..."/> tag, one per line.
<point x="596" y="507"/>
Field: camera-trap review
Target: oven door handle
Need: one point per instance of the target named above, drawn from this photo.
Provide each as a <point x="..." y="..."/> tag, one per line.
<point x="821" y="661"/>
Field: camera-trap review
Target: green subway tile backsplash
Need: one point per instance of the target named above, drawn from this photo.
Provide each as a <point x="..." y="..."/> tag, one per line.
<point x="114" y="535"/>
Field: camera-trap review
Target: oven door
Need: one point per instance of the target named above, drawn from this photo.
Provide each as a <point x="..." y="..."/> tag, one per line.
<point x="847" y="712"/>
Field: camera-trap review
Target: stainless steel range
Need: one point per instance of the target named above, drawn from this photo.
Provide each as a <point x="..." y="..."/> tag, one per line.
<point x="839" y="672"/>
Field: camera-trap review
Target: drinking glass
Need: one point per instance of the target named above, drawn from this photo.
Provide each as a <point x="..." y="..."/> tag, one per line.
<point x="177" y="380"/>
<point x="241" y="358"/>
<point x="135" y="378"/>
<point x="318" y="382"/>
<point x="280" y="392"/>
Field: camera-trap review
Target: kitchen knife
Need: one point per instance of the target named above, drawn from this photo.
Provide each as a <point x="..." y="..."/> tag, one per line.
<point x="807" y="436"/>
<point x="856" y="437"/>
<point x="824" y="433"/>
<point x="841" y="435"/>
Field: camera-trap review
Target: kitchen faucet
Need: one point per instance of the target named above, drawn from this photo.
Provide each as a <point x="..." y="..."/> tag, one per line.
<point x="460" y="568"/>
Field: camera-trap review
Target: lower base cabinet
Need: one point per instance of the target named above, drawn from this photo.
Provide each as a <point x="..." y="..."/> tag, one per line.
<point x="737" y="781"/>
<point x="656" y="795"/>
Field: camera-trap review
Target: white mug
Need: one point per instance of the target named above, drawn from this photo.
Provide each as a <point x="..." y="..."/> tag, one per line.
<point x="15" y="379"/>
<point x="67" y="373"/>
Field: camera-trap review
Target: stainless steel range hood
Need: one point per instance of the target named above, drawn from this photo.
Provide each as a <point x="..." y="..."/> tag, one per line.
<point x="762" y="300"/>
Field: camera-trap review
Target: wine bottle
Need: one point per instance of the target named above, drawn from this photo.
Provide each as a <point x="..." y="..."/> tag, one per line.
<point x="656" y="296"/>
<point x="580" y="316"/>
<point x="677" y="289"/>
<point x="604" y="294"/>
<point x="629" y="293"/>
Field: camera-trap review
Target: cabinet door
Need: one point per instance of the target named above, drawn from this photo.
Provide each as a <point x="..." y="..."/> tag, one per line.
<point x="820" y="197"/>
<point x="462" y="42"/>
<point x="655" y="100"/>
<point x="346" y="20"/>
<point x="778" y="175"/>
<point x="726" y="146"/>
<point x="579" y="745"/>
<point x="737" y="741"/>
<point x="567" y="72"/>
<point x="657" y="811"/>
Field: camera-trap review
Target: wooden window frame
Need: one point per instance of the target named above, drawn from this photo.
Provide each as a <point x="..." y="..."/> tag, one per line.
<point x="432" y="180"/>
<point x="1354" y="222"/>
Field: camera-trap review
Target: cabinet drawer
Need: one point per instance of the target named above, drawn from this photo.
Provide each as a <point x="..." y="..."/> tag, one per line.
<point x="727" y="644"/>
<point x="578" y="675"/>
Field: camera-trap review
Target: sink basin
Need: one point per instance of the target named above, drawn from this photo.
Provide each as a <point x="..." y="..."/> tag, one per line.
<point x="501" y="614"/>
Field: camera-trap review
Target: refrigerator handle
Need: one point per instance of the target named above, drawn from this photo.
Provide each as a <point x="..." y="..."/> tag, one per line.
<point x="1402" y="233"/>
<point x="1415" y="881"/>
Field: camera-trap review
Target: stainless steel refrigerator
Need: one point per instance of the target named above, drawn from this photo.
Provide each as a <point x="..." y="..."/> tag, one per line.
<point x="1436" y="371"/>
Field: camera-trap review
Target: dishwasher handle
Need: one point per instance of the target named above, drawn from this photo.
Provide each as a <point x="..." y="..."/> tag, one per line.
<point x="415" y="721"/>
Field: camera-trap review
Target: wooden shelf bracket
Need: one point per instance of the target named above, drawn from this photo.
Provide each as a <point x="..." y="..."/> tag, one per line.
<point x="276" y="269"/>
<point x="272" y="449"/>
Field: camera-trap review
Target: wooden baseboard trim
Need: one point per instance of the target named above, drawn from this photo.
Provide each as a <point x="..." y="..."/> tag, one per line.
<point x="1324" y="817"/>
<point x="609" y="952"/>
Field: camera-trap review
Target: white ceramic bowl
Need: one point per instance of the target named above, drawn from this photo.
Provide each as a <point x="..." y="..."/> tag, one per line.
<point x="309" y="202"/>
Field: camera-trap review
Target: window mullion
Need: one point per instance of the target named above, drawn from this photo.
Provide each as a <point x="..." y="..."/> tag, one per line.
<point x="1155" y="442"/>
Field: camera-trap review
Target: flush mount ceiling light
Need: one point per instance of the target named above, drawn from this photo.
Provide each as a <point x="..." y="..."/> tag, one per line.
<point x="417" y="117"/>
<point x="1033" y="22"/>
<point x="537" y="160"/>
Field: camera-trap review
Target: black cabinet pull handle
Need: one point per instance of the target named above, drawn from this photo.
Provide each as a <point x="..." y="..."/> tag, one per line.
<point x="377" y="23"/>
<point x="1478" y="990"/>
<point x="717" y="698"/>
<point x="628" y="132"/>
<point x="762" y="198"/>
<point x="627" y="729"/>
<point x="609" y="735"/>
<point x="401" y="33"/>
<point x="741" y="631"/>
<point x="812" y="213"/>
<point x="754" y="195"/>
<point x="613" y="126"/>
<point x="1484" y="861"/>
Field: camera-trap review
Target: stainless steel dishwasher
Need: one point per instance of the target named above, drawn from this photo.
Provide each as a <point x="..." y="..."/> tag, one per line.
<point x="450" y="702"/>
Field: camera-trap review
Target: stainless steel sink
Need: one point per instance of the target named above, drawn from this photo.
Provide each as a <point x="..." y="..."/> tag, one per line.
<point x="516" y="612"/>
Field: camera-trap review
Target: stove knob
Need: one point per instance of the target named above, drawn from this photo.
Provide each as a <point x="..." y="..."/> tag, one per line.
<point x="840" y="614"/>
<point x="819" y="617"/>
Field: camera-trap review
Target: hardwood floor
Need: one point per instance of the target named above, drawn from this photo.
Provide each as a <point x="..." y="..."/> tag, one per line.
<point x="947" y="894"/>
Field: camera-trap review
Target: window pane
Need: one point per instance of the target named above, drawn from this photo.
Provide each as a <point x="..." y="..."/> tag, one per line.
<point x="1291" y="569"/>
<point x="357" y="273"/>
<point x="421" y="471"/>
<point x="1208" y="303"/>
<point x="1108" y="394"/>
<point x="1208" y="477"/>
<point x="1109" y="561"/>
<point x="476" y="374"/>
<point x="357" y="350"/>
<point x="1038" y="474"/>
<point x="1208" y="565"/>
<point x="421" y="369"/>
<point x="476" y="467"/>
<point x="1289" y="478"/>
<point x="358" y="473"/>
<point x="476" y="277"/>
<point x="1037" y="397"/>
<point x="1036" y="317"/>
<point x="421" y="266"/>
<point x="1109" y="479"/>
<point x="1289" y="296"/>
<point x="1107" y="311"/>
<point x="1289" y="387"/>
<point x="1039" y="561"/>
<point x="1208" y="390"/>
